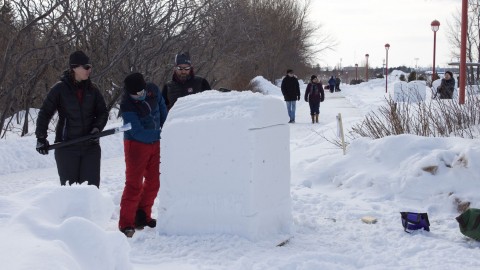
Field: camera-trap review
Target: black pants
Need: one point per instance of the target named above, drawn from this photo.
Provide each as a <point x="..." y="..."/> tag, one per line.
<point x="79" y="163"/>
<point x="314" y="107"/>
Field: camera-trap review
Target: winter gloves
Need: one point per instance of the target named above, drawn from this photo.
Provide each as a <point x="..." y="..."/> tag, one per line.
<point x="42" y="146"/>
<point x="42" y="143"/>
<point x="95" y="131"/>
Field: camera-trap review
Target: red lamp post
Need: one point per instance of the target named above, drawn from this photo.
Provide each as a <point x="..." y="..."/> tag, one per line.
<point x="366" y="67"/>
<point x="435" y="26"/>
<point x="463" y="53"/>
<point x="387" y="46"/>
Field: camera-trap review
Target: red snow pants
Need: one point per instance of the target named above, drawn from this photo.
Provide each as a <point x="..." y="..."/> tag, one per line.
<point x="142" y="182"/>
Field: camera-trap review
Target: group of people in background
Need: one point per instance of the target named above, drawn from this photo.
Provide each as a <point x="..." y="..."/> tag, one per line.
<point x="82" y="112"/>
<point x="314" y="94"/>
<point x="334" y="84"/>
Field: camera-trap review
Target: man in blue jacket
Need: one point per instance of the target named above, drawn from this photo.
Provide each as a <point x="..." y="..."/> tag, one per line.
<point x="331" y="84"/>
<point x="144" y="108"/>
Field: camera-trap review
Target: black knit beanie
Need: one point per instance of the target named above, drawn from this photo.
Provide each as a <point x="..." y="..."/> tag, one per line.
<point x="134" y="83"/>
<point x="183" y="59"/>
<point x="78" y="58"/>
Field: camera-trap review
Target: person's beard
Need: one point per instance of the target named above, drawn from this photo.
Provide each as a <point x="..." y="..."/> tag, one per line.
<point x="183" y="77"/>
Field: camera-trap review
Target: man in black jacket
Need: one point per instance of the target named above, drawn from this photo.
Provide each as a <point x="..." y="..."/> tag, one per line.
<point x="291" y="93"/>
<point x="447" y="86"/>
<point x="184" y="82"/>
<point x="81" y="111"/>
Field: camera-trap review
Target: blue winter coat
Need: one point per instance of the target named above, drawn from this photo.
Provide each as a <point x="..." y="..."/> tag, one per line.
<point x="332" y="81"/>
<point x="146" y="117"/>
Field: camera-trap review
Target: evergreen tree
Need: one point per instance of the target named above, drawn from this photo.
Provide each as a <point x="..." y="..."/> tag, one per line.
<point x="412" y="76"/>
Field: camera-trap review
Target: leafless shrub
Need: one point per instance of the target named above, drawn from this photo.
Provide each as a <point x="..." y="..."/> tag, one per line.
<point x="433" y="118"/>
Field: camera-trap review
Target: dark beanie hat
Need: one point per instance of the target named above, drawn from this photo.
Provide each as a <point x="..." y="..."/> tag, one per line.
<point x="313" y="77"/>
<point x="134" y="83"/>
<point x="289" y="71"/>
<point x="79" y="58"/>
<point x="183" y="59"/>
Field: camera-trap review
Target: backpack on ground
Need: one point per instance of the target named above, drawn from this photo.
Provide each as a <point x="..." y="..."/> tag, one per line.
<point x="469" y="223"/>
<point x="415" y="221"/>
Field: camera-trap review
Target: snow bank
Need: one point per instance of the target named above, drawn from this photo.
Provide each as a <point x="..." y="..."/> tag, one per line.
<point x="62" y="228"/>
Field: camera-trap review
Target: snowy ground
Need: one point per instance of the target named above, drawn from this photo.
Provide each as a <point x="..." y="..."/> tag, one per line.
<point x="44" y="226"/>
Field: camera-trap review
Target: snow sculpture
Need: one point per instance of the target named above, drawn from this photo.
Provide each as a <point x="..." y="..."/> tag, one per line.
<point x="225" y="166"/>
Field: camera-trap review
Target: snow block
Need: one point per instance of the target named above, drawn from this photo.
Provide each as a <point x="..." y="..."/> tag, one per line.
<point x="411" y="92"/>
<point x="225" y="166"/>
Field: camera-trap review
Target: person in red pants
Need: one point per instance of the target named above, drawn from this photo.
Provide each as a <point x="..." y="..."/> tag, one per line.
<point x="144" y="108"/>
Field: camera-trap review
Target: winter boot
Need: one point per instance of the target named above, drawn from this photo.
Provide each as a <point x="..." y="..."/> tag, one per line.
<point x="313" y="118"/>
<point x="128" y="231"/>
<point x="316" y="118"/>
<point x="141" y="220"/>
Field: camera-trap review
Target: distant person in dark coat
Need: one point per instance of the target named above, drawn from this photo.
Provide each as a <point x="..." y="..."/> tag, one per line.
<point x="314" y="94"/>
<point x="81" y="111"/>
<point x="291" y="93"/>
<point x="184" y="81"/>
<point x="331" y="84"/>
<point x="447" y="86"/>
<point x="337" y="84"/>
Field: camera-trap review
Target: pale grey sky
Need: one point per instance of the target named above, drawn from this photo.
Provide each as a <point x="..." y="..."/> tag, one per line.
<point x="365" y="26"/>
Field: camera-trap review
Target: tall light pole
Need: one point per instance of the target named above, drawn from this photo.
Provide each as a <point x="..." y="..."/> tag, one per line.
<point x="463" y="53"/>
<point x="416" y="67"/>
<point x="356" y="72"/>
<point x="366" y="67"/>
<point x="435" y="26"/>
<point x="387" y="46"/>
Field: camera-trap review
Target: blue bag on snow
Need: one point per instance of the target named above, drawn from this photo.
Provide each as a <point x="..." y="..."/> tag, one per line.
<point x="415" y="221"/>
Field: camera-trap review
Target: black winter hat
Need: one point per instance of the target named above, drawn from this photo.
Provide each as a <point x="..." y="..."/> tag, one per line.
<point x="79" y="58"/>
<point x="449" y="72"/>
<point x="183" y="59"/>
<point x="134" y="83"/>
<point x="313" y="77"/>
<point x="289" y="71"/>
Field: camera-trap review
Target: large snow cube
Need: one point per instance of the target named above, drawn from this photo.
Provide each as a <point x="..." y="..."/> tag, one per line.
<point x="411" y="92"/>
<point x="225" y="166"/>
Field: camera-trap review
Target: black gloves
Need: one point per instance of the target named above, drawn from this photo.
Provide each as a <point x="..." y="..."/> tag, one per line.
<point x="42" y="146"/>
<point x="95" y="131"/>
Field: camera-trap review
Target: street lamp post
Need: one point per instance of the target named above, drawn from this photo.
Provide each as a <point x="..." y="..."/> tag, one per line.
<point x="387" y="46"/>
<point x="366" y="67"/>
<point x="435" y="26"/>
<point x="383" y="66"/>
<point x="356" y="72"/>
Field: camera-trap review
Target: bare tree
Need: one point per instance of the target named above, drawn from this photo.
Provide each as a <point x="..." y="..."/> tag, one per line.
<point x="473" y="39"/>
<point x="230" y="41"/>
